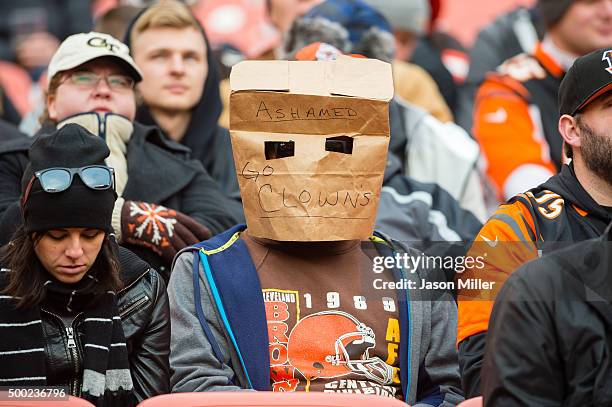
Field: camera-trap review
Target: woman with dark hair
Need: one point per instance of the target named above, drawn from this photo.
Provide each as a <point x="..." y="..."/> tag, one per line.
<point x="69" y="297"/>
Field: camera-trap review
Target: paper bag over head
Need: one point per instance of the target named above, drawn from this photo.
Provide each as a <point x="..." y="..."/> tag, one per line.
<point x="310" y="145"/>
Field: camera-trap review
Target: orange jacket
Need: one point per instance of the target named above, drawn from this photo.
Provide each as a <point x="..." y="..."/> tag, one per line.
<point x="516" y="122"/>
<point x="505" y="242"/>
<point x="529" y="225"/>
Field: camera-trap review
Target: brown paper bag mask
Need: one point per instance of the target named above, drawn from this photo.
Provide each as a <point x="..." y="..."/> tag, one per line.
<point x="310" y="144"/>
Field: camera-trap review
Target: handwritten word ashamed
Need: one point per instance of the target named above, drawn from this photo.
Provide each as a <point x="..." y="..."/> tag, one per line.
<point x="303" y="113"/>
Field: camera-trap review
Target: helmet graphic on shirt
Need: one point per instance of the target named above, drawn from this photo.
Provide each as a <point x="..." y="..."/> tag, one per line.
<point x="333" y="343"/>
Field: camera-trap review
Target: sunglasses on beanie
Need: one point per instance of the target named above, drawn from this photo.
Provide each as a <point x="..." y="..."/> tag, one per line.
<point x="58" y="179"/>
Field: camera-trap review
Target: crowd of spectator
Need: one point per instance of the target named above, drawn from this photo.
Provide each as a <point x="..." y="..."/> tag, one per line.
<point x="129" y="264"/>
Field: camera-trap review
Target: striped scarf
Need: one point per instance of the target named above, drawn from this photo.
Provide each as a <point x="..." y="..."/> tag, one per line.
<point x="106" y="377"/>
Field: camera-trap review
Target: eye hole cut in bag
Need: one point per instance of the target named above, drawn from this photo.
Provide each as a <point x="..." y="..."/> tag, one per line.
<point x="279" y="149"/>
<point x="340" y="144"/>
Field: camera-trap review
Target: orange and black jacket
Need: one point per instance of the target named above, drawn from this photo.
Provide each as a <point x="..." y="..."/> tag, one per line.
<point x="516" y="122"/>
<point x="530" y="225"/>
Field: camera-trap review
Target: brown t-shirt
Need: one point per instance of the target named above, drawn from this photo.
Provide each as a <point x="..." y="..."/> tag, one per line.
<point x="329" y="329"/>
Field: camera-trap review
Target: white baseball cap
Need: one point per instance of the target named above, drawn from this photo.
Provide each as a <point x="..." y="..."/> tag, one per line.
<point x="80" y="48"/>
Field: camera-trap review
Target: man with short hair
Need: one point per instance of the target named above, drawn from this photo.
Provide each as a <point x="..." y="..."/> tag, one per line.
<point x="166" y="200"/>
<point x="516" y="112"/>
<point x="180" y="88"/>
<point x="572" y="206"/>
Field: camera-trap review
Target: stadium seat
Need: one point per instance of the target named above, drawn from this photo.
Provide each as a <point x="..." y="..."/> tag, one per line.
<point x="71" y="402"/>
<point x="263" y="399"/>
<point x="473" y="402"/>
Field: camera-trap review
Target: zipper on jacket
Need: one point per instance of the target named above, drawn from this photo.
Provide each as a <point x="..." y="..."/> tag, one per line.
<point x="136" y="304"/>
<point x="70" y="333"/>
<point x="139" y="301"/>
<point x="102" y="125"/>
<point x="75" y="358"/>
<point x="75" y="384"/>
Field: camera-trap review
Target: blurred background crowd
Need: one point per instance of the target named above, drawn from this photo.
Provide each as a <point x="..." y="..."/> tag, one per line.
<point x="440" y="36"/>
<point x="475" y="121"/>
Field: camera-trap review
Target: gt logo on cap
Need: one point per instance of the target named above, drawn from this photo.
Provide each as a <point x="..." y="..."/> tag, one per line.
<point x="100" y="42"/>
<point x="606" y="57"/>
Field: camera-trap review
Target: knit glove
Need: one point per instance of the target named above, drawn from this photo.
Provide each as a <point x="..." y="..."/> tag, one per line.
<point x="163" y="230"/>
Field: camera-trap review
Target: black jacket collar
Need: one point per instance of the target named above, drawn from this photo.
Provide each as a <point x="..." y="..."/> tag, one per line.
<point x="567" y="185"/>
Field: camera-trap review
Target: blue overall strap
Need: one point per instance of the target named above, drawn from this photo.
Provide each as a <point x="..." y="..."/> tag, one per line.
<point x="387" y="248"/>
<point x="198" y="305"/>
<point x="216" y="244"/>
<point x="236" y="289"/>
<point x="403" y="297"/>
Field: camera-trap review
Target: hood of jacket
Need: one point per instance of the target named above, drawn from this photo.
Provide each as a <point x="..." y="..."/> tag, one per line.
<point x="567" y="185"/>
<point x="202" y="127"/>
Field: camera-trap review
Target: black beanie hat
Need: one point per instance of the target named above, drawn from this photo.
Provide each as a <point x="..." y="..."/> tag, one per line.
<point x="552" y="11"/>
<point x="78" y="206"/>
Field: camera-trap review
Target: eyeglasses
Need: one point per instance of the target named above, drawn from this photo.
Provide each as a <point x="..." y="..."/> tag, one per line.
<point x="90" y="80"/>
<point x="58" y="179"/>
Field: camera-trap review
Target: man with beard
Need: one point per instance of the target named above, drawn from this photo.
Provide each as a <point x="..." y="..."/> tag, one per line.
<point x="572" y="206"/>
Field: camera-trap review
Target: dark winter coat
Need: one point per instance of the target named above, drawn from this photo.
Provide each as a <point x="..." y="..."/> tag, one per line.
<point x="159" y="171"/>
<point x="549" y="336"/>
<point x="145" y="319"/>
<point x="209" y="142"/>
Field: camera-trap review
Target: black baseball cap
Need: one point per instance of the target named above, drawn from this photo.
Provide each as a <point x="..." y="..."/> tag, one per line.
<point x="589" y="77"/>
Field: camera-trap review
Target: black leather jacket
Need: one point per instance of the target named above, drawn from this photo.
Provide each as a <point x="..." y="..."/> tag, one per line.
<point x="145" y="316"/>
